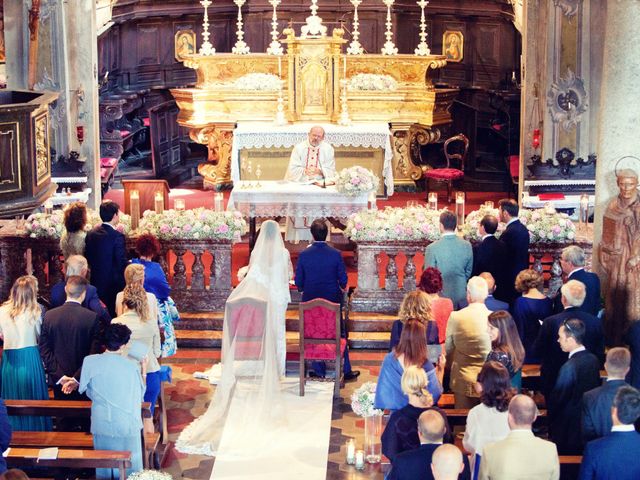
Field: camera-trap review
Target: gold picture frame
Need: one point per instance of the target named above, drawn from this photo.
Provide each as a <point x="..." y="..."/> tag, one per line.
<point x="184" y="44"/>
<point x="453" y="45"/>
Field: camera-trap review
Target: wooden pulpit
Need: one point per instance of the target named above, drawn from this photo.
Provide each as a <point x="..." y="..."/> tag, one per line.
<point x="147" y="190"/>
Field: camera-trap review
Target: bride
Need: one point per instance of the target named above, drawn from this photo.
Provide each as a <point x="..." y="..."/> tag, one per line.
<point x="250" y="390"/>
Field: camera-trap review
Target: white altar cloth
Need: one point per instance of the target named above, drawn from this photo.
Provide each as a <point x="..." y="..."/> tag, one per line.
<point x="268" y="135"/>
<point x="279" y="198"/>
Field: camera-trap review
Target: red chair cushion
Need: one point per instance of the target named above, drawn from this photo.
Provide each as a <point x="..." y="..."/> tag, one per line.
<point x="319" y="322"/>
<point x="444" y="174"/>
<point x="323" y="351"/>
<point x="108" y="162"/>
<point x="146" y="121"/>
<point x="514" y="166"/>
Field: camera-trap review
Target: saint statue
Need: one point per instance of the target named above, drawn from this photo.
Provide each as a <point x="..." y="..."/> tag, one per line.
<point x="619" y="255"/>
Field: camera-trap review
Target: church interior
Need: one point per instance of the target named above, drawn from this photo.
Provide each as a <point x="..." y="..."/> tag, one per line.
<point x="188" y="115"/>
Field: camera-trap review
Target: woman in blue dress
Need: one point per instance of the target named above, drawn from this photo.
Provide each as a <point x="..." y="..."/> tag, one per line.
<point x="155" y="281"/>
<point x="22" y="371"/>
<point x="506" y="347"/>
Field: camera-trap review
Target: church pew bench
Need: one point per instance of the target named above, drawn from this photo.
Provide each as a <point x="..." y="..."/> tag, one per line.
<point x="69" y="458"/>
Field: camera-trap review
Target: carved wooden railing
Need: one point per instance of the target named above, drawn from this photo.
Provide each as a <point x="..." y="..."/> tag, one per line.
<point x="206" y="288"/>
<point x="369" y="296"/>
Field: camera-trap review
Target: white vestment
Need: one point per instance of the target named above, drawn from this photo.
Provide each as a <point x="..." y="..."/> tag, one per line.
<point x="304" y="156"/>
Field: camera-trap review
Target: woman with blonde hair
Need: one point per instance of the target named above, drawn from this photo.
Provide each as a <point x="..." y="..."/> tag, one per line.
<point x="401" y="432"/>
<point x="415" y="305"/>
<point x="22" y="371"/>
<point x="73" y="236"/>
<point x="136" y="313"/>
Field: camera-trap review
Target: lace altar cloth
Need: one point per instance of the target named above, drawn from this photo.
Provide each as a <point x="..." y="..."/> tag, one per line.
<point x="279" y="198"/>
<point x="268" y="135"/>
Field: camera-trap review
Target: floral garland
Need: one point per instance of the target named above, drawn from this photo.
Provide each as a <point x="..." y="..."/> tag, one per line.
<point x="51" y="225"/>
<point x="196" y="224"/>
<point x="372" y="82"/>
<point x="546" y="225"/>
<point x="356" y="180"/>
<point x="362" y="400"/>
<point x="258" y="81"/>
<point x="150" y="475"/>
<point x="400" y="224"/>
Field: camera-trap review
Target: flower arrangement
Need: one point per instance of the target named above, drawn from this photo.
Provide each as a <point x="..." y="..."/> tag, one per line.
<point x="198" y="223"/>
<point x="547" y="225"/>
<point x="356" y="180"/>
<point x="51" y="225"/>
<point x="150" y="475"/>
<point x="403" y="224"/>
<point x="472" y="222"/>
<point x="362" y="400"/>
<point x="258" y="81"/>
<point x="372" y="82"/>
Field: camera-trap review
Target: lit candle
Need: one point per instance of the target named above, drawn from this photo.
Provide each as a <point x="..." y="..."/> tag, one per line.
<point x="460" y="209"/>
<point x="488" y="204"/>
<point x="178" y="204"/>
<point x="218" y="200"/>
<point x="433" y="201"/>
<point x="48" y="207"/>
<point x="351" y="452"/>
<point x="360" y="460"/>
<point x="158" y="202"/>
<point x="134" y="203"/>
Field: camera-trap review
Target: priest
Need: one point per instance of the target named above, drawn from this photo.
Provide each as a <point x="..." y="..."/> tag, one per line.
<point x="312" y="161"/>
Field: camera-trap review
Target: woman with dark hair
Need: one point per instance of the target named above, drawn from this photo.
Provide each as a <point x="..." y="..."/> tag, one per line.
<point x="155" y="281"/>
<point x="530" y="309"/>
<point x="115" y="386"/>
<point x="415" y="305"/>
<point x="411" y="350"/>
<point x="506" y="346"/>
<point x="488" y="421"/>
<point x="73" y="236"/>
<point x="441" y="307"/>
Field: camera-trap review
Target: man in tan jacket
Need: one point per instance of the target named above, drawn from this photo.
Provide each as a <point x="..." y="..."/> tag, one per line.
<point x="468" y="340"/>
<point x="521" y="455"/>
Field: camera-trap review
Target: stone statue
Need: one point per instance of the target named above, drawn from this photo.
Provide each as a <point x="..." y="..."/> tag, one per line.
<point x="619" y="255"/>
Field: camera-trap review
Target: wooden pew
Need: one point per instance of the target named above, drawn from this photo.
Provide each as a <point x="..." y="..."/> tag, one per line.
<point x="68" y="458"/>
<point x="76" y="440"/>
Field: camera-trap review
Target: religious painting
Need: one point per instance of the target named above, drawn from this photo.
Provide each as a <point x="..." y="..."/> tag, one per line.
<point x="184" y="44"/>
<point x="453" y="45"/>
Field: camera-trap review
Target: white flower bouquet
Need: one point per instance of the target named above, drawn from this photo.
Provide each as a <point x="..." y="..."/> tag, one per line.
<point x="472" y="222"/>
<point x="150" y="475"/>
<point x="547" y="225"/>
<point x="51" y="225"/>
<point x="196" y="224"/>
<point x="396" y="224"/>
<point x="362" y="400"/>
<point x="372" y="82"/>
<point x="356" y="180"/>
<point x="258" y="81"/>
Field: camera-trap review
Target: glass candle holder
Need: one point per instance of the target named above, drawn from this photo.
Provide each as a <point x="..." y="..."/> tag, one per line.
<point x="48" y="207"/>
<point x="134" y="207"/>
<point x="178" y="204"/>
<point x="360" y="460"/>
<point x="351" y="452"/>
<point x="218" y="201"/>
<point x="460" y="208"/>
<point x="584" y="211"/>
<point x="488" y="204"/>
<point x="158" y="202"/>
<point x="433" y="201"/>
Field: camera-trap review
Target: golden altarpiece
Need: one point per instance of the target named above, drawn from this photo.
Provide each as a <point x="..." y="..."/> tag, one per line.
<point x="312" y="77"/>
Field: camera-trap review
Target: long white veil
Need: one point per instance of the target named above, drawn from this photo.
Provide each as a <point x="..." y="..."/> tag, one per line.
<point x="249" y="387"/>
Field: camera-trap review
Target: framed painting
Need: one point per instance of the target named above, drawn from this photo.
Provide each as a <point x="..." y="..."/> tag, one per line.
<point x="453" y="45"/>
<point x="184" y="44"/>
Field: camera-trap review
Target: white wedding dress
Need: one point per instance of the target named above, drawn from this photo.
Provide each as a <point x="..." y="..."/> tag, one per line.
<point x="251" y="389"/>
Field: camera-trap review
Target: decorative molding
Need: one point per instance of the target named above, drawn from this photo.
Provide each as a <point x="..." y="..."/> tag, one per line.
<point x="567" y="100"/>
<point x="564" y="164"/>
<point x="569" y="7"/>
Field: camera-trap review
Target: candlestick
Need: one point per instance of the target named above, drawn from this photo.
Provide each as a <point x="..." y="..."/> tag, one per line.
<point x="178" y="204"/>
<point x="433" y="201"/>
<point x="275" y="48"/>
<point x="460" y="209"/>
<point x="423" y="48"/>
<point x="134" y="204"/>
<point x="360" y="460"/>
<point x="351" y="452"/>
<point x="206" y="48"/>
<point x="158" y="202"/>
<point x="344" y="112"/>
<point x="355" y="48"/>
<point x="240" y="48"/>
<point x="389" y="47"/>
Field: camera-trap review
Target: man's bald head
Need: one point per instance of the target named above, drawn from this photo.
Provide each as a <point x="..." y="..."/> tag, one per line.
<point x="491" y="283"/>
<point x="573" y="293"/>
<point x="446" y="462"/>
<point x="431" y="427"/>
<point x="316" y="135"/>
<point x="522" y="412"/>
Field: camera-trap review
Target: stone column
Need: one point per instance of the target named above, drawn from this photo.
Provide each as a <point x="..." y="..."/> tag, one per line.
<point x="16" y="40"/>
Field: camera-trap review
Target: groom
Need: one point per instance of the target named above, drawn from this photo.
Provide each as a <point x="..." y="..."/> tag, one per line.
<point x="320" y="273"/>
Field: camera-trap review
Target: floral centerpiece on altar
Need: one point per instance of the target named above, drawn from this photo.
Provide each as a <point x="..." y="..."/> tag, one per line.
<point x="51" y="225"/>
<point x="395" y="224"/>
<point x="472" y="222"/>
<point x="258" y="81"/>
<point x="196" y="224"/>
<point x="362" y="400"/>
<point x="356" y="180"/>
<point x="546" y="225"/>
<point x="372" y="82"/>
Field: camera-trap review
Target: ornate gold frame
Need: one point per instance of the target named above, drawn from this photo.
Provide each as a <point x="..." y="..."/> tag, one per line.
<point x="457" y="34"/>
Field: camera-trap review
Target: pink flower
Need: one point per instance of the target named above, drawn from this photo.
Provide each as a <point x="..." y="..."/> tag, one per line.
<point x="355" y="181"/>
<point x="120" y="228"/>
<point x="164" y="228"/>
<point x="186" y="228"/>
<point x="223" y="228"/>
<point x="175" y="230"/>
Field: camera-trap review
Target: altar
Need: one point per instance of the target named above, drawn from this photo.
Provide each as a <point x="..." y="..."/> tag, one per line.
<point x="269" y="146"/>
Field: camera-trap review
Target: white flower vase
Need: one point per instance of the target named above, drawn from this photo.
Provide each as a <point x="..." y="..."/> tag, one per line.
<point x="372" y="435"/>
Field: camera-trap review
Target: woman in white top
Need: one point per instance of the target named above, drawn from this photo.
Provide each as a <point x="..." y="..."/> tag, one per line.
<point x="488" y="421"/>
<point x="22" y="371"/>
<point x="139" y="312"/>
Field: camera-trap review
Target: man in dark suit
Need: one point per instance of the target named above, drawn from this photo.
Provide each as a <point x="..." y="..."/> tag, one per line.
<point x="516" y="239"/>
<point x="489" y="255"/>
<point x="547" y="348"/>
<point x="106" y="254"/>
<point x="572" y="262"/>
<point x="492" y="303"/>
<point x="633" y="340"/>
<point x="69" y="333"/>
<point x="596" y="403"/>
<point x="320" y="273"/>
<point x="615" y="456"/>
<point x="5" y="434"/>
<point x="578" y="375"/>
<point x="415" y="463"/>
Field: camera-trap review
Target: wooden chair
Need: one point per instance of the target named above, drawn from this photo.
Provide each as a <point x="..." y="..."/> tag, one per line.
<point x="320" y="337"/>
<point x="247" y="318"/>
<point x="449" y="174"/>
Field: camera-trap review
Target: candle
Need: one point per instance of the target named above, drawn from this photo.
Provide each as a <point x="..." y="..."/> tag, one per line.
<point x="218" y="200"/>
<point x="48" y="207"/>
<point x="158" y="202"/>
<point x="460" y="209"/>
<point x="360" y="460"/>
<point x="134" y="203"/>
<point x="433" y="201"/>
<point x="178" y="204"/>
<point x="488" y="204"/>
<point x="280" y="66"/>
<point x="351" y="452"/>
<point x="344" y="66"/>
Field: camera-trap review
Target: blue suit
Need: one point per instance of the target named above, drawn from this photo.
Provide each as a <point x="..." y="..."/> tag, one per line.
<point x="596" y="410"/>
<point x="516" y="238"/>
<point x="494" y="304"/>
<point x="320" y="273"/>
<point x="591" y="281"/>
<point x="106" y="254"/>
<point x="5" y="434"/>
<point x="416" y="463"/>
<point x="633" y="339"/>
<point x="614" y="457"/>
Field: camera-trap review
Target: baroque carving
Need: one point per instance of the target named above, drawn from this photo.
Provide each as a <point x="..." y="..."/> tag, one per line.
<point x="569" y="7"/>
<point x="42" y="149"/>
<point x="420" y="136"/>
<point x="564" y="164"/>
<point x="217" y="170"/>
<point x="567" y="100"/>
